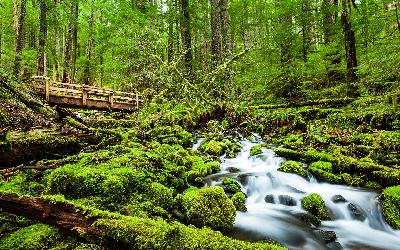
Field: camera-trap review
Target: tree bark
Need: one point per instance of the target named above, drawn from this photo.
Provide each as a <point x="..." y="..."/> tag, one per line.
<point x="20" y="38"/>
<point x="1" y="38"/>
<point x="61" y="215"/>
<point x="171" y="21"/>
<point x="306" y="28"/>
<point x="215" y="33"/>
<point x="42" y="38"/>
<point x="15" y="21"/>
<point x="87" y="73"/>
<point x="328" y="19"/>
<point x="74" y="42"/>
<point x="69" y="44"/>
<point x="349" y="42"/>
<point x="186" y="38"/>
<point x="397" y="15"/>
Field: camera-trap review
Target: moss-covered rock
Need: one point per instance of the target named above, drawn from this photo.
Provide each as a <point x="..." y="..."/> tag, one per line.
<point x="323" y="171"/>
<point x="391" y="206"/>
<point x="293" y="167"/>
<point x="208" y="207"/>
<point x="315" y="205"/>
<point x="289" y="153"/>
<point x="256" y="150"/>
<point x="37" y="236"/>
<point x="231" y="185"/>
<point x="239" y="201"/>
<point x="219" y="148"/>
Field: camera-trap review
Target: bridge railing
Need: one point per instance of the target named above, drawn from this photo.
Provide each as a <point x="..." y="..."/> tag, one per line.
<point x="49" y="88"/>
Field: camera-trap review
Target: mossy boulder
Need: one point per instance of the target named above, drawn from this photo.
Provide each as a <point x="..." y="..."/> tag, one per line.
<point x="315" y="205"/>
<point x="37" y="236"/>
<point x="202" y="169"/>
<point x="219" y="148"/>
<point x="239" y="201"/>
<point x="293" y="167"/>
<point x="256" y="150"/>
<point x="208" y="207"/>
<point x="288" y="153"/>
<point x="231" y="185"/>
<point x="323" y="171"/>
<point x="391" y="206"/>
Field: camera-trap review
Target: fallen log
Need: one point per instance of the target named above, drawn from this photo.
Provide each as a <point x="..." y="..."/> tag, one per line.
<point x="62" y="215"/>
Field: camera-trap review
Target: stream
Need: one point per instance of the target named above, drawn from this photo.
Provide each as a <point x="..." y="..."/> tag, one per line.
<point x="357" y="217"/>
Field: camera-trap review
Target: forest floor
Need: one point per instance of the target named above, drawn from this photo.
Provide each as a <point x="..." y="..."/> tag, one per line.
<point x="131" y="181"/>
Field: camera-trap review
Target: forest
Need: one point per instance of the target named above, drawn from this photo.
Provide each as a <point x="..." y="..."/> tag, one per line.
<point x="208" y="124"/>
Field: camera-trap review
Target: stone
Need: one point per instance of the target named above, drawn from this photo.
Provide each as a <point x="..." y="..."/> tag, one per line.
<point x="356" y="212"/>
<point x="233" y="170"/>
<point x="327" y="236"/>
<point x="338" y="198"/>
<point x="269" y="199"/>
<point x="287" y="200"/>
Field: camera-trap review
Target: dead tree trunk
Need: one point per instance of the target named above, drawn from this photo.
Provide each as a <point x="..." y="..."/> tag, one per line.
<point x="42" y="38"/>
<point x="20" y="38"/>
<point x="62" y="215"/>
<point x="349" y="42"/>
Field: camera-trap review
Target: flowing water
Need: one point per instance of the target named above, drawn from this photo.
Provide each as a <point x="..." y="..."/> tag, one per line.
<point x="364" y="228"/>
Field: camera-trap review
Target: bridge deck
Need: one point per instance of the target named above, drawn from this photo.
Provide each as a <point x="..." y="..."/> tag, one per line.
<point x="84" y="96"/>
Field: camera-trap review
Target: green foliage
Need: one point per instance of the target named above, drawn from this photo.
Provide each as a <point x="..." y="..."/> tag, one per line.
<point x="231" y="185"/>
<point x="288" y="153"/>
<point x="391" y="206"/>
<point x="293" y="167"/>
<point x="171" y="135"/>
<point x="239" y="201"/>
<point x="208" y="207"/>
<point x="315" y="205"/>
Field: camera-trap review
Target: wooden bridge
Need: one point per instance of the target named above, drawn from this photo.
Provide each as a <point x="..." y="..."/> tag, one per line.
<point x="84" y="96"/>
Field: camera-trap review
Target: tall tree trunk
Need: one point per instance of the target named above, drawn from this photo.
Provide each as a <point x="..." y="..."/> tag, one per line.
<point x="1" y="38"/>
<point x="306" y="28"/>
<point x="170" y="31"/>
<point x="349" y="42"/>
<point x="397" y="15"/>
<point x="328" y="19"/>
<point x="42" y="38"/>
<point x="15" y="21"/>
<point x="87" y="79"/>
<point x="215" y="33"/>
<point x="20" y="38"/>
<point x="74" y="42"/>
<point x="186" y="38"/>
<point x="68" y="46"/>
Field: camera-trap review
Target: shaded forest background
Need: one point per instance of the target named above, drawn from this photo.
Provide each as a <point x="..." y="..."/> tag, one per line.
<point x="264" y="49"/>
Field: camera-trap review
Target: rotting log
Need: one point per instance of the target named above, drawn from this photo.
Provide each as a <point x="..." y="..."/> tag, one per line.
<point x="61" y="215"/>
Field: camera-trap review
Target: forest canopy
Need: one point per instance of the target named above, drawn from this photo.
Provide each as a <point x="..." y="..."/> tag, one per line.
<point x="226" y="47"/>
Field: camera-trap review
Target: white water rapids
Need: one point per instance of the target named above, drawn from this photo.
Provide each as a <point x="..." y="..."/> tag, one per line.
<point x="259" y="177"/>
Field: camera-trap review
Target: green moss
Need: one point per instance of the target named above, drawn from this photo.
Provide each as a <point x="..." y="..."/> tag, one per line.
<point x="231" y="185"/>
<point x="239" y="201"/>
<point x="219" y="148"/>
<point x="256" y="150"/>
<point x="37" y="236"/>
<point x="313" y="155"/>
<point x="201" y="169"/>
<point x="391" y="206"/>
<point x="289" y="153"/>
<point x="315" y="205"/>
<point x="208" y="207"/>
<point x="171" y="135"/>
<point x="293" y="167"/>
<point x="139" y="233"/>
<point x="324" y="175"/>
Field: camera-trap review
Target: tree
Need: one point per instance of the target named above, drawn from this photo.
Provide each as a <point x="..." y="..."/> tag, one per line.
<point x="349" y="41"/>
<point x="42" y="38"/>
<point x="215" y="33"/>
<point x="186" y="38"/>
<point x="19" y="42"/>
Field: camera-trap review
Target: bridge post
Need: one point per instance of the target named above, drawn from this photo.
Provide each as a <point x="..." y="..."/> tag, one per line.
<point x="137" y="101"/>
<point x="47" y="89"/>
<point x="84" y="96"/>
<point x="111" y="99"/>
